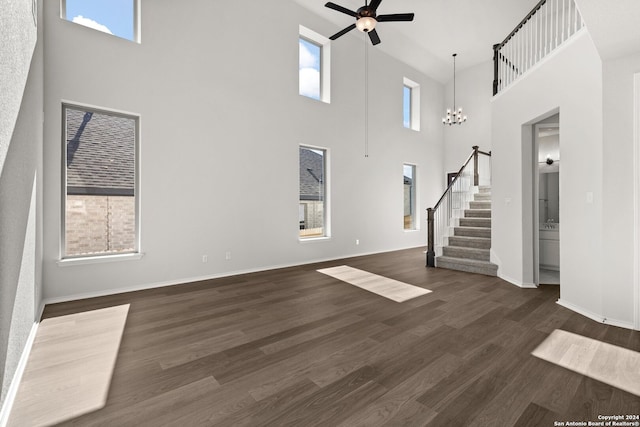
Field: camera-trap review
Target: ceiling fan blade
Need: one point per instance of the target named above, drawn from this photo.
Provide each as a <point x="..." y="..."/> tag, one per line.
<point x="339" y="8"/>
<point x="373" y="35"/>
<point x="374" y="4"/>
<point x="395" y="17"/>
<point x="342" y="32"/>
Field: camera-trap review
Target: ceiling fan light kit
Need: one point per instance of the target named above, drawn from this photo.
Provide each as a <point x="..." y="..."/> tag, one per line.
<point x="454" y="117"/>
<point x="367" y="19"/>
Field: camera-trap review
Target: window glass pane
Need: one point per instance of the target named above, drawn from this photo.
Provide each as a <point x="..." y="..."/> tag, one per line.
<point x="409" y="197"/>
<point x="109" y="16"/>
<point x="312" y="192"/>
<point x="100" y="199"/>
<point x="309" y="68"/>
<point x="406" y="106"/>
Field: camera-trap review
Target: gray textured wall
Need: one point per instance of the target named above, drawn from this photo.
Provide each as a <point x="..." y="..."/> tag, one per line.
<point x="21" y="105"/>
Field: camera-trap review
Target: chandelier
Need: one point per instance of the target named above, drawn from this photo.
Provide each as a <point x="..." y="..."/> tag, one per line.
<point x="454" y="117"/>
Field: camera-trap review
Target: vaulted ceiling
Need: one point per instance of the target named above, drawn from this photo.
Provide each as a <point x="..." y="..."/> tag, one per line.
<point x="441" y="27"/>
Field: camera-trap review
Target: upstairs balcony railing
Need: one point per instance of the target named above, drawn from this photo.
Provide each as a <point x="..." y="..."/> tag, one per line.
<point x="546" y="27"/>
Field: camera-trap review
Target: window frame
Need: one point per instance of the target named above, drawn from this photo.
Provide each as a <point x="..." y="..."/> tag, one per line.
<point x="136" y="21"/>
<point x="414" y="104"/>
<point x="325" y="62"/>
<point x="413" y="197"/>
<point x="98" y="257"/>
<point x="326" y="218"/>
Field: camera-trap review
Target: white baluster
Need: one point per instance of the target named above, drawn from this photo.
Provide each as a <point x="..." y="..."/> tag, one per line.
<point x="546" y="30"/>
<point x="557" y="19"/>
<point x="563" y="37"/>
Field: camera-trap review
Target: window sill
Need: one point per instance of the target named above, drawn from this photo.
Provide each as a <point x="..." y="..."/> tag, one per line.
<point x="314" y="239"/>
<point x="67" y="262"/>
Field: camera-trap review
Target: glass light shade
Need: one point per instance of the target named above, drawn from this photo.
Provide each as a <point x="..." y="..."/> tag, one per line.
<point x="366" y="24"/>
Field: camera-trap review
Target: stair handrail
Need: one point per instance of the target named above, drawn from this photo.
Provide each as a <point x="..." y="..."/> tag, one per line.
<point x="431" y="211"/>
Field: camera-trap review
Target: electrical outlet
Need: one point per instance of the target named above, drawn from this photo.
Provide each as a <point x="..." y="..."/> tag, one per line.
<point x="205" y="258"/>
<point x="357" y="242"/>
<point x="227" y="256"/>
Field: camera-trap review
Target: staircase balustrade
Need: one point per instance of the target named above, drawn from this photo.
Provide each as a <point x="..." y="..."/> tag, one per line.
<point x="546" y="27"/>
<point x="474" y="172"/>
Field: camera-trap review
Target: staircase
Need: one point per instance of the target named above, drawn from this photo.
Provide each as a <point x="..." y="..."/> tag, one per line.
<point x="468" y="248"/>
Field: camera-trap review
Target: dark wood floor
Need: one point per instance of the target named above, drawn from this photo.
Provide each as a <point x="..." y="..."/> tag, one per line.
<point x="293" y="347"/>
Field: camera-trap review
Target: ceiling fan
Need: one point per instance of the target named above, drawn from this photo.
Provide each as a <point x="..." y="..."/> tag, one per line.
<point x="366" y="19"/>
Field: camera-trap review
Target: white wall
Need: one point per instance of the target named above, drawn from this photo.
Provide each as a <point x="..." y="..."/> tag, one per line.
<point x="474" y="92"/>
<point x="21" y="102"/>
<point x="221" y="124"/>
<point x="569" y="81"/>
<point x="17" y="43"/>
<point x="618" y="250"/>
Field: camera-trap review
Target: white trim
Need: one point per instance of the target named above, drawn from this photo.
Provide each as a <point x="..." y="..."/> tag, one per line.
<point x="594" y="316"/>
<point x="517" y="283"/>
<point x="123" y="290"/>
<point x="64" y="106"/>
<point x="67" y="262"/>
<point x="636" y="201"/>
<point x="10" y="397"/>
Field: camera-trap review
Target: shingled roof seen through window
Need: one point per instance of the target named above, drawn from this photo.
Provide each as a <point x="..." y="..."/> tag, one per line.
<point x="100" y="153"/>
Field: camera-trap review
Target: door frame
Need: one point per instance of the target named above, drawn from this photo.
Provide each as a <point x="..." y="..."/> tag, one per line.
<point x="536" y="198"/>
<point x="636" y="200"/>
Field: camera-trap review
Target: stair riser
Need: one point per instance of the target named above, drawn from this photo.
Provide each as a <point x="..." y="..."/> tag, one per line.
<point x="482" y="197"/>
<point x="480" y="205"/>
<point x="472" y="232"/>
<point x="478" y="243"/>
<point x="489" y="270"/>
<point x="475" y="222"/>
<point x="477" y="213"/>
<point x="466" y="253"/>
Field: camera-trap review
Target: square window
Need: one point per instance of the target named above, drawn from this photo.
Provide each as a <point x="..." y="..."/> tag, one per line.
<point x="116" y="17"/>
<point x="312" y="208"/>
<point x="100" y="180"/>
<point x="313" y="65"/>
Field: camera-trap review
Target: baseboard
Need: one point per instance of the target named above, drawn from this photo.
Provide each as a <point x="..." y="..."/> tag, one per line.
<point x="96" y="294"/>
<point x="595" y="316"/>
<point x="5" y="411"/>
<point x="517" y="283"/>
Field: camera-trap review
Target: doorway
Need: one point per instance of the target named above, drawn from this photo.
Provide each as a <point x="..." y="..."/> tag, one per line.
<point x="547" y="203"/>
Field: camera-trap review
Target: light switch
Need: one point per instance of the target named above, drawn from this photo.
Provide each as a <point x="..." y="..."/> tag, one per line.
<point x="589" y="197"/>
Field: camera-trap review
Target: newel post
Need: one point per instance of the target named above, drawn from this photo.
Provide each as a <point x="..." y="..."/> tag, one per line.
<point x="431" y="254"/>
<point x="496" y="54"/>
<point x="476" y="174"/>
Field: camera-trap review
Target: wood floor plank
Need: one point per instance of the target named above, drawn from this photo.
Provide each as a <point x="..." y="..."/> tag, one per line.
<point x="295" y="347"/>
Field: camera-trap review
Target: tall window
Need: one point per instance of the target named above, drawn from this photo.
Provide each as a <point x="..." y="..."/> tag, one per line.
<point x="411" y="104"/>
<point x="406" y="106"/>
<point x="313" y="65"/>
<point x="116" y="17"/>
<point x="100" y="200"/>
<point x="409" y="179"/>
<point x="312" y="209"/>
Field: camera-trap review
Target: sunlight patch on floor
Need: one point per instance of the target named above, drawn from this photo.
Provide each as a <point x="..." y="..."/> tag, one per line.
<point x="69" y="370"/>
<point x="383" y="286"/>
<point x="616" y="366"/>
